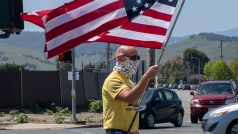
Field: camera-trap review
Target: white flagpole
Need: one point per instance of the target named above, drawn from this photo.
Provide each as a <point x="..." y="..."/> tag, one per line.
<point x="170" y="32"/>
<point x="163" y="49"/>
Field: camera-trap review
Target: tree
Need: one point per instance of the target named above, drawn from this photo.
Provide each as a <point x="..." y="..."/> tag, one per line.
<point x="208" y="69"/>
<point x="89" y="67"/>
<point x="218" y="70"/>
<point x="174" y="70"/>
<point x="234" y="66"/>
<point x="12" y="67"/>
<point x="191" y="52"/>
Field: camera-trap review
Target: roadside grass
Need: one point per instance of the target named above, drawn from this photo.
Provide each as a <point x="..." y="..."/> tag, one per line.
<point x="45" y="114"/>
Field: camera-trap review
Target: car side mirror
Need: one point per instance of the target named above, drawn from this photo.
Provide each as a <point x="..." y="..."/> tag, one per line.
<point x="192" y="93"/>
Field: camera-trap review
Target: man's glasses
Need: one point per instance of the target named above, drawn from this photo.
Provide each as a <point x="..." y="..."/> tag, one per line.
<point x="134" y="57"/>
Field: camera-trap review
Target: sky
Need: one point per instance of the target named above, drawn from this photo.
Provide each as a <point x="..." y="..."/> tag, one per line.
<point x="196" y="16"/>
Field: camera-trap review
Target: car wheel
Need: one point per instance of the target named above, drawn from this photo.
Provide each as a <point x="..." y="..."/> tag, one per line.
<point x="200" y="118"/>
<point x="233" y="127"/>
<point x="194" y="118"/>
<point x="140" y="126"/>
<point x="179" y="120"/>
<point x="150" y="121"/>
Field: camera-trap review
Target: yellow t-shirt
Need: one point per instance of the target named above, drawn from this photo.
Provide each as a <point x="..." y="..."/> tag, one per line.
<point x="117" y="114"/>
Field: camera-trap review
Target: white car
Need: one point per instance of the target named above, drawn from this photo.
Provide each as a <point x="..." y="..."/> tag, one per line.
<point x="221" y="120"/>
<point x="180" y="86"/>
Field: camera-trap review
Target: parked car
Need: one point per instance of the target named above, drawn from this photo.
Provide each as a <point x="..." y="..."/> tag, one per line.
<point x="166" y="86"/>
<point x="186" y="87"/>
<point x="209" y="95"/>
<point x="175" y="86"/>
<point x="160" y="106"/>
<point x="222" y="120"/>
<point x="180" y="86"/>
<point x="170" y="86"/>
<point x="193" y="87"/>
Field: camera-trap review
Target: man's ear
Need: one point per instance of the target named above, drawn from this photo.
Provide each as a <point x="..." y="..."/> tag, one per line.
<point x="119" y="58"/>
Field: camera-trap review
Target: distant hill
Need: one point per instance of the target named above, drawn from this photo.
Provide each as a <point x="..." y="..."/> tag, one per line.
<point x="27" y="48"/>
<point x="230" y="32"/>
<point x="208" y="43"/>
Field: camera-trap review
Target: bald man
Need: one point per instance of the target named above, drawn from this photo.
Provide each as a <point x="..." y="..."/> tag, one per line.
<point x="120" y="95"/>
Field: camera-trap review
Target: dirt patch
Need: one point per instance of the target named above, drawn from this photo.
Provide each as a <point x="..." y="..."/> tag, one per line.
<point x="87" y="117"/>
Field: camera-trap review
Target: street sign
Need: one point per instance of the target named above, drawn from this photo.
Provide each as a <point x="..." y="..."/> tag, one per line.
<point x="70" y="75"/>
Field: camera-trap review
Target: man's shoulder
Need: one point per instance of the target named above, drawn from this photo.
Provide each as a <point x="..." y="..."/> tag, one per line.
<point x="114" y="76"/>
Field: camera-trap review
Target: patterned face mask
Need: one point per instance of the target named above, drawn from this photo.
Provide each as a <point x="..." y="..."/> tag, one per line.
<point x="127" y="68"/>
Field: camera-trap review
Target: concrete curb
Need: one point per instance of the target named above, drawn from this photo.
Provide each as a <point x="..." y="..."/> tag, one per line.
<point x="35" y="126"/>
<point x="32" y="126"/>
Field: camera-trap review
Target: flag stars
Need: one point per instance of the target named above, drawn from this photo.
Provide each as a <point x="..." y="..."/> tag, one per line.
<point x="141" y="12"/>
<point x="138" y="1"/>
<point x="146" y="5"/>
<point x="134" y="9"/>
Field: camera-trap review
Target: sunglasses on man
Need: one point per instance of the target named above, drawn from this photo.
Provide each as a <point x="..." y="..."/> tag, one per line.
<point x="134" y="57"/>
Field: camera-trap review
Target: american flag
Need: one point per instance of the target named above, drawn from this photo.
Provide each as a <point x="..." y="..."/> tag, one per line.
<point x="131" y="22"/>
<point x="77" y="21"/>
<point x="35" y="17"/>
<point x="150" y="20"/>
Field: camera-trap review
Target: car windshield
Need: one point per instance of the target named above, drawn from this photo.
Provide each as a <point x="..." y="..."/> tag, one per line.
<point x="217" y="88"/>
<point x="148" y="96"/>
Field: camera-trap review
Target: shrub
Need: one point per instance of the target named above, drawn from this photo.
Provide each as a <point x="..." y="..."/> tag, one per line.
<point x="20" y="118"/>
<point x="13" y="113"/>
<point x="59" y="119"/>
<point x="60" y="113"/>
<point x="89" y="119"/>
<point x="52" y="107"/>
<point x="2" y="114"/>
<point x="36" y="108"/>
<point x="95" y="106"/>
<point x="63" y="111"/>
<point x="49" y="112"/>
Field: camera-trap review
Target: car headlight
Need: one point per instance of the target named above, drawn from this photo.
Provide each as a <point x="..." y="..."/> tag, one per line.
<point x="142" y="107"/>
<point x="229" y="101"/>
<point x="218" y="113"/>
<point x="195" y="102"/>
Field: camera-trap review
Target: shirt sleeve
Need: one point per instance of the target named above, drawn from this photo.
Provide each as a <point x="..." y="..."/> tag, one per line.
<point x="114" y="86"/>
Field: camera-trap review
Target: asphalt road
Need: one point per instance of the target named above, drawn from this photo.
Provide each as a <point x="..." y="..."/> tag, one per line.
<point x="166" y="128"/>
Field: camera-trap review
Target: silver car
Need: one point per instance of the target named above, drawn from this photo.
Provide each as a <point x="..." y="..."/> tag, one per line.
<point x="221" y="120"/>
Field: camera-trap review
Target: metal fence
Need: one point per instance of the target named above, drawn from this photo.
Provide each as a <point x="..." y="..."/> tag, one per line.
<point x="28" y="88"/>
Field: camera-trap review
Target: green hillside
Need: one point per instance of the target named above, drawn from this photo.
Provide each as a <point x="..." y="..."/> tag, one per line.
<point x="34" y="60"/>
<point x="27" y="49"/>
<point x="209" y="45"/>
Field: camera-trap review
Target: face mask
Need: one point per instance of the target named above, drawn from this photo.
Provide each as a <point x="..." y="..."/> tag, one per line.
<point x="127" y="68"/>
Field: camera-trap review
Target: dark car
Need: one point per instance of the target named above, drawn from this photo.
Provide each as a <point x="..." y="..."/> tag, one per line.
<point x="166" y="85"/>
<point x="209" y="95"/>
<point x="187" y="87"/>
<point x="160" y="106"/>
<point x="175" y="86"/>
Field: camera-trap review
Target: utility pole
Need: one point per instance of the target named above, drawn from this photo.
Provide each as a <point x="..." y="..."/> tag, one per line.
<point x="107" y="57"/>
<point x="193" y="73"/>
<point x="221" y="45"/>
<point x="73" y="91"/>
<point x="199" y="67"/>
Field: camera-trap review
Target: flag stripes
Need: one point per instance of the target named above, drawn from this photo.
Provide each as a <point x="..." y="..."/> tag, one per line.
<point x="147" y="30"/>
<point x="75" y="23"/>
